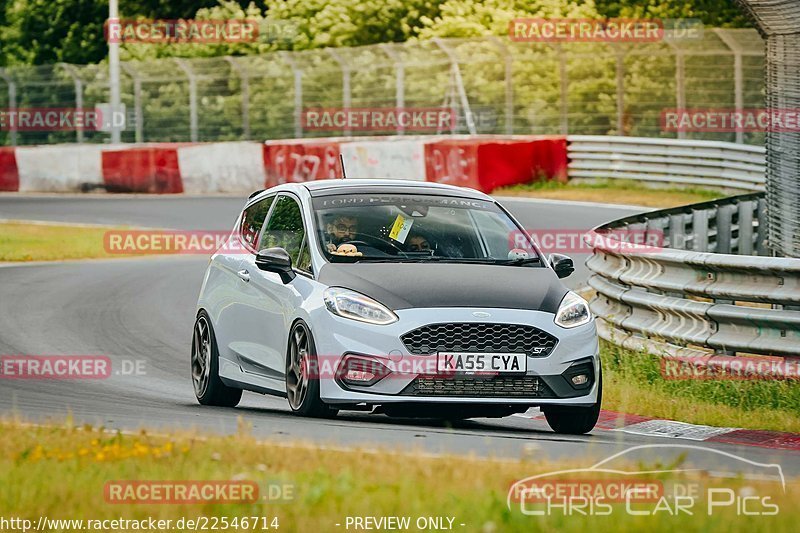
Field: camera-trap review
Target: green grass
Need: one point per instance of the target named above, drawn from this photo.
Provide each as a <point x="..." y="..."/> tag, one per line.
<point x="634" y="384"/>
<point x="60" y="472"/>
<point x="23" y="241"/>
<point x="612" y="191"/>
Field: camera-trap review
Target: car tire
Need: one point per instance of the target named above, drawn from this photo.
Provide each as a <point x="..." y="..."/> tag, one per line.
<point x="574" y="420"/>
<point x="302" y="375"/>
<point x="208" y="387"/>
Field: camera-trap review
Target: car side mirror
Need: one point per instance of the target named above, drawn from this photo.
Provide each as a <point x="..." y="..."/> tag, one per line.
<point x="276" y="260"/>
<point x="562" y="264"/>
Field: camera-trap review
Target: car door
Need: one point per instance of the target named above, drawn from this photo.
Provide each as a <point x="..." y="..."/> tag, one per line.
<point x="270" y="303"/>
<point x="232" y="337"/>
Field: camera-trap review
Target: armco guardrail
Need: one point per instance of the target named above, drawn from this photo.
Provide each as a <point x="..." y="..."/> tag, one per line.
<point x="701" y="292"/>
<point x="667" y="161"/>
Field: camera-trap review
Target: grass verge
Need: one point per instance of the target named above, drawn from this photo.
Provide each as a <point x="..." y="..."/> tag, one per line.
<point x="61" y="472"/>
<point x="633" y="384"/>
<point x="611" y="191"/>
<point x="24" y="241"/>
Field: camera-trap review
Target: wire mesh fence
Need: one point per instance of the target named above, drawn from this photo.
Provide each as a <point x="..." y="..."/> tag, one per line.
<point x="493" y="85"/>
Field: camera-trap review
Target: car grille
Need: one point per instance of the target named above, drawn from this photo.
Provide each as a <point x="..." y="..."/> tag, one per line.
<point x="477" y="337"/>
<point x="479" y="387"/>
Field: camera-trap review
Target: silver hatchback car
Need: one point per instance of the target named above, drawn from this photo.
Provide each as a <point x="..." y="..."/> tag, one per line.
<point x="406" y="298"/>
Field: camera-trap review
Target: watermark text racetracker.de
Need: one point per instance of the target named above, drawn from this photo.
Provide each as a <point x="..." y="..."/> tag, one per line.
<point x="375" y="119"/>
<point x="580" y="241"/>
<point x="67" y="367"/>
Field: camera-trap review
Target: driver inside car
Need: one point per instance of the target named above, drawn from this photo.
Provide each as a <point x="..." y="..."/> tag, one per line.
<point x="342" y="229"/>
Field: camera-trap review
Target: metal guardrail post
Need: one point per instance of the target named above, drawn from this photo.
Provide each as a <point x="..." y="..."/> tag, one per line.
<point x="12" y="102"/>
<point x="745" y="226"/>
<point x="190" y="75"/>
<point x="78" y="83"/>
<point x="700" y="230"/>
<point x="724" y="229"/>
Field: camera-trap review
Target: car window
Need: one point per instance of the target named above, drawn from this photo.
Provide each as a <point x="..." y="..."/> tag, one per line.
<point x="285" y="229"/>
<point x="253" y="219"/>
<point x="418" y="227"/>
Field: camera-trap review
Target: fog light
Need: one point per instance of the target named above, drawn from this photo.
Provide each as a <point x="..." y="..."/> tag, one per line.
<point x="361" y="371"/>
<point x="354" y="375"/>
<point x="580" y="379"/>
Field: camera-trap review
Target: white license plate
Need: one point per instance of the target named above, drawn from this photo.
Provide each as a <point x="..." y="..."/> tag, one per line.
<point x="501" y="363"/>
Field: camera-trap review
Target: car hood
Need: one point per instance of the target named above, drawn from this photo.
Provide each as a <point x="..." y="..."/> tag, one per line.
<point x="415" y="285"/>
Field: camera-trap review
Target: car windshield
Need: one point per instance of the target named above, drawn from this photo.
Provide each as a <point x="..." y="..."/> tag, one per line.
<point x="419" y="228"/>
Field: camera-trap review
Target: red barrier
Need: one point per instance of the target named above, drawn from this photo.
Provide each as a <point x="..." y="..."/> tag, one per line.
<point x="9" y="173"/>
<point x="488" y="164"/>
<point x="287" y="162"/>
<point x="149" y="170"/>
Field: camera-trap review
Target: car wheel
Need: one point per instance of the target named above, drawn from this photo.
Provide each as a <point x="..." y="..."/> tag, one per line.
<point x="302" y="375"/>
<point x="208" y="387"/>
<point x="574" y="420"/>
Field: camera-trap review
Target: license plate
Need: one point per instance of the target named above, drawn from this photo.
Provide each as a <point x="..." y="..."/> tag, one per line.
<point x="501" y="363"/>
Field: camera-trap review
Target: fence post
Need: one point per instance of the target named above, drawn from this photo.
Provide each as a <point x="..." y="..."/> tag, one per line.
<point x="509" y="84"/>
<point x="399" y="82"/>
<point x="184" y="65"/>
<point x="346" y="102"/>
<point x="12" y="103"/>
<point x="459" y="85"/>
<point x="680" y="84"/>
<point x="564" y="82"/>
<point x="298" y="93"/>
<point x="738" y="79"/>
<point x="70" y="69"/>
<point x="245" y="81"/>
<point x="137" y="101"/>
<point x="620" y="55"/>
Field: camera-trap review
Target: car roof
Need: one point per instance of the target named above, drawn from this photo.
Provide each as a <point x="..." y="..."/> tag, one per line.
<point x="388" y="186"/>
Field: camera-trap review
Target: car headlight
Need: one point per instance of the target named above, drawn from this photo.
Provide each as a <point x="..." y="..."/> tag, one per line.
<point x="573" y="311"/>
<point x="352" y="304"/>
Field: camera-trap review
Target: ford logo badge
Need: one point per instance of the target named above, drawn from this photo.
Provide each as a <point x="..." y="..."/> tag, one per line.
<point x="481" y="314"/>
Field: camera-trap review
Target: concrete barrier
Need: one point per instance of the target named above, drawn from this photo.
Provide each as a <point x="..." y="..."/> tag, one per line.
<point x="293" y="161"/>
<point x="59" y="167"/>
<point x="9" y="174"/>
<point x="479" y="162"/>
<point x="151" y="169"/>
<point x="399" y="159"/>
<point x="222" y="167"/>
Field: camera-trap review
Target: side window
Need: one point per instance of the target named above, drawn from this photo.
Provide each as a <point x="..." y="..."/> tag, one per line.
<point x="285" y="229"/>
<point x="253" y="220"/>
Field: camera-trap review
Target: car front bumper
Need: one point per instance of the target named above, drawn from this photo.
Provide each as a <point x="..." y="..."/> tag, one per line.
<point x="546" y="381"/>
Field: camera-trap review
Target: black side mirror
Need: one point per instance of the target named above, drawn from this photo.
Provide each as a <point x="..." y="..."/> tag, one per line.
<point x="276" y="260"/>
<point x="562" y="264"/>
